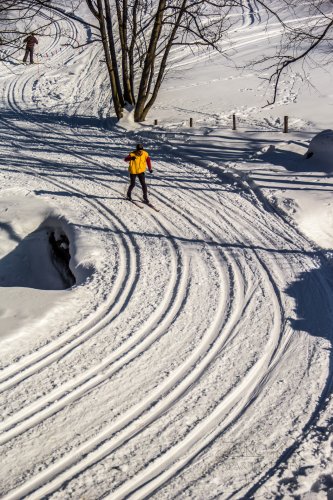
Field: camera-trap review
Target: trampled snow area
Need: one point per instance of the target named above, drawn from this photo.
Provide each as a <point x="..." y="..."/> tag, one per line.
<point x="193" y="355"/>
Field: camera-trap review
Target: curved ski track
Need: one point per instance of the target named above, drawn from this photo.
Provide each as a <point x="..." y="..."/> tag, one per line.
<point x="130" y="399"/>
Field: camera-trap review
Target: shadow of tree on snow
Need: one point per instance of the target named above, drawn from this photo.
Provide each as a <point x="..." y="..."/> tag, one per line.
<point x="313" y="295"/>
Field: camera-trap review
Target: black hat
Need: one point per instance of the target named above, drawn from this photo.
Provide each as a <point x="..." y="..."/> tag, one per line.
<point x="139" y="147"/>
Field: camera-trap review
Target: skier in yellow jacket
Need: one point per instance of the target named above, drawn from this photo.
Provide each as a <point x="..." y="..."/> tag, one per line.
<point x="138" y="162"/>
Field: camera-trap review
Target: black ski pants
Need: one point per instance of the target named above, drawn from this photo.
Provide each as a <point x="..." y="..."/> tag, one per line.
<point x="142" y="182"/>
<point x="29" y="51"/>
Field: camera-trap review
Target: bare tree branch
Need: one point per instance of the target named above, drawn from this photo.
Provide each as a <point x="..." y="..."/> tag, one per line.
<point x="301" y="37"/>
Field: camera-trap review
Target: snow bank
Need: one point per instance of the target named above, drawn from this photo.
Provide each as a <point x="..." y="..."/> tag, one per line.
<point x="30" y="282"/>
<point x="23" y="215"/>
<point x="320" y="152"/>
<point x="127" y="121"/>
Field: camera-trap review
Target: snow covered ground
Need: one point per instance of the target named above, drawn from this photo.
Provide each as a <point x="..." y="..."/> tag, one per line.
<point x="193" y="355"/>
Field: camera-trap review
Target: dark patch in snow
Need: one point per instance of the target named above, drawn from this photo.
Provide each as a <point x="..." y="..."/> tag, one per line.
<point x="35" y="263"/>
<point x="10" y="231"/>
<point x="323" y="484"/>
<point x="89" y="32"/>
<point x="61" y="257"/>
<point x="313" y="292"/>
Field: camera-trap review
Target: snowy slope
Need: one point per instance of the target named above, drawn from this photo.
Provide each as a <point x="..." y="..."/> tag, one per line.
<point x="193" y="356"/>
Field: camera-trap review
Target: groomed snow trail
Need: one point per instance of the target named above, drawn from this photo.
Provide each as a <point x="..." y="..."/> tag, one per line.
<point x="195" y="359"/>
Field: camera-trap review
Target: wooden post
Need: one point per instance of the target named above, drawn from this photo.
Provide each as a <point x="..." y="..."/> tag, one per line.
<point x="233" y="122"/>
<point x="155" y="122"/>
<point x="285" y="125"/>
<point x="191" y="122"/>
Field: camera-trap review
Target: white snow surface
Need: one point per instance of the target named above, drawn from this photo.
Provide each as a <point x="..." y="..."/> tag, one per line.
<point x="193" y="356"/>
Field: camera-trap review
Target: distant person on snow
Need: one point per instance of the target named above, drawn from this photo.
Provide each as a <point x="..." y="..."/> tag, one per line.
<point x="138" y="161"/>
<point x="31" y="41"/>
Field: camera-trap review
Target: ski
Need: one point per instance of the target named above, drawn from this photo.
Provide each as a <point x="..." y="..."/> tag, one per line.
<point x="152" y="206"/>
<point x="136" y="203"/>
<point x="141" y="204"/>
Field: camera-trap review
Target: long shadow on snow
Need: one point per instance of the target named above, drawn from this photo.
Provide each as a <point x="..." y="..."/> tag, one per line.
<point x="187" y="147"/>
<point x="313" y="294"/>
<point x="75" y="195"/>
<point x="63" y="166"/>
<point x="223" y="150"/>
<point x="42" y="117"/>
<point x="193" y="148"/>
<point x="54" y="139"/>
<point x="202" y="153"/>
<point x="21" y="146"/>
<point x="314" y="312"/>
<point x="209" y="243"/>
<point x="294" y="185"/>
<point x="32" y="263"/>
<point x="293" y="162"/>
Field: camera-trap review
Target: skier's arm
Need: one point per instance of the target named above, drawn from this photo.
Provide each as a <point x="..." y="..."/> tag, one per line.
<point x="129" y="157"/>
<point x="148" y="161"/>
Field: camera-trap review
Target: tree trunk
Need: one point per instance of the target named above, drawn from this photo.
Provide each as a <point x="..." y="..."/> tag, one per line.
<point x="117" y="99"/>
<point x="163" y="63"/>
<point x="122" y="24"/>
<point x="131" y="48"/>
<point x="149" y="61"/>
<point x="113" y="51"/>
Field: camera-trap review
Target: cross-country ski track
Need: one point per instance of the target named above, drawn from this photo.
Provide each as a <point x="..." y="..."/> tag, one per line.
<point x="194" y="361"/>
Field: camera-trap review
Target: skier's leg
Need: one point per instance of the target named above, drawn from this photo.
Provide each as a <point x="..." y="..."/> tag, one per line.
<point x="144" y="186"/>
<point x="31" y="56"/>
<point x="131" y="186"/>
<point x="26" y="55"/>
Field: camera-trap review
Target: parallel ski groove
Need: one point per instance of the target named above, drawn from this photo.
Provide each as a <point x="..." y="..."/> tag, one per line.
<point x="240" y="240"/>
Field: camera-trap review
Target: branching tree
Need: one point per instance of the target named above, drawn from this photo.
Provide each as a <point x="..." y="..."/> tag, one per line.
<point x="138" y="36"/>
<point x="310" y="32"/>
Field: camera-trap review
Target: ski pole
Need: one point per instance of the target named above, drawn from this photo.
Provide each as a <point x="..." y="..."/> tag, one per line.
<point x="149" y="185"/>
<point x="126" y="187"/>
<point x="37" y="65"/>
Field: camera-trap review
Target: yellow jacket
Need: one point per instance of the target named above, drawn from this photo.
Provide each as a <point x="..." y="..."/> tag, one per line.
<point x="138" y="161"/>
